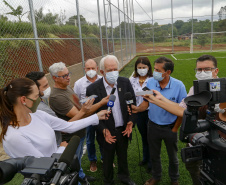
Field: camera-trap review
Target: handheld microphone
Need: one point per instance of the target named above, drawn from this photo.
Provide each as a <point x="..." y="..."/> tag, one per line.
<point x="129" y="99"/>
<point x="111" y="101"/>
<point x="112" y="91"/>
<point x="66" y="158"/>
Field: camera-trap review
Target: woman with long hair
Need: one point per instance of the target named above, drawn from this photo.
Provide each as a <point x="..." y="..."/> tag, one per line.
<point x="142" y="73"/>
<point x="27" y="132"/>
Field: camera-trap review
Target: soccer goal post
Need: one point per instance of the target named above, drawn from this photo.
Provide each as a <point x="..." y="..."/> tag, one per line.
<point x="208" y="41"/>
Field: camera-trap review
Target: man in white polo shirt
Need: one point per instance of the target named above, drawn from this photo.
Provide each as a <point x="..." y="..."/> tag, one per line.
<point x="80" y="89"/>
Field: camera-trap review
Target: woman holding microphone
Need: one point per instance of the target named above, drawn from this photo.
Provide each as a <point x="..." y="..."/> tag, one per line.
<point x="27" y="132"/>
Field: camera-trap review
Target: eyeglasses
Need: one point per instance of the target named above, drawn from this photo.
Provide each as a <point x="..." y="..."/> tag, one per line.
<point x="206" y="70"/>
<point x="64" y="76"/>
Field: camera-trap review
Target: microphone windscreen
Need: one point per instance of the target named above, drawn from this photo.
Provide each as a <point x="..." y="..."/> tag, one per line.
<point x="128" y="96"/>
<point x="112" y="97"/>
<point x="69" y="152"/>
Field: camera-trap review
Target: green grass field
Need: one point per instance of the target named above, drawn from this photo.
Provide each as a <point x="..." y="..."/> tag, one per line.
<point x="184" y="71"/>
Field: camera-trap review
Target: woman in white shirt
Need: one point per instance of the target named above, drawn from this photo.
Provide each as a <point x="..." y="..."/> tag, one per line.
<point x="27" y="132"/>
<point x="142" y="73"/>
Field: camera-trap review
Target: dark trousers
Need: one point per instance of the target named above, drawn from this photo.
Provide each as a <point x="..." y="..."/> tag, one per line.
<point x="142" y="122"/>
<point x="155" y="136"/>
<point x="120" y="148"/>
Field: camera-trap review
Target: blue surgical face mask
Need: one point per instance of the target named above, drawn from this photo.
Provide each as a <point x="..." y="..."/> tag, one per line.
<point x="158" y="76"/>
<point x="112" y="77"/>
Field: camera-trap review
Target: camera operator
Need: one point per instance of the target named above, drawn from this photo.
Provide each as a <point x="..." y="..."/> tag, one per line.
<point x="206" y="68"/>
<point x="27" y="132"/>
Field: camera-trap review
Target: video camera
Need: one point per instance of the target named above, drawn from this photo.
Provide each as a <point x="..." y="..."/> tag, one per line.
<point x="57" y="169"/>
<point x="203" y="135"/>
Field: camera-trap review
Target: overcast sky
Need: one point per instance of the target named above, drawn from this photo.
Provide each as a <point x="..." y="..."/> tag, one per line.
<point x="182" y="9"/>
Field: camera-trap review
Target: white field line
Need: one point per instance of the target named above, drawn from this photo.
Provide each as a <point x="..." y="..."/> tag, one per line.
<point x="174" y="57"/>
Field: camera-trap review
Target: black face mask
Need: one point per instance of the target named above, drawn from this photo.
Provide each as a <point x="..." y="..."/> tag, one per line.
<point x="35" y="104"/>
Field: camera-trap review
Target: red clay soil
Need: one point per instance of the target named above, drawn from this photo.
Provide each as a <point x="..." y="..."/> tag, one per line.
<point x="24" y="59"/>
<point x="141" y="48"/>
<point x="18" y="62"/>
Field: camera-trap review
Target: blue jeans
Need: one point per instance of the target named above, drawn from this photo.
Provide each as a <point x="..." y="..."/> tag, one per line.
<point x="79" y="155"/>
<point x="90" y="142"/>
<point x="142" y="122"/>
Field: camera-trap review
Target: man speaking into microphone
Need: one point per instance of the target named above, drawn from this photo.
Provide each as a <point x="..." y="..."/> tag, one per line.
<point x="118" y="128"/>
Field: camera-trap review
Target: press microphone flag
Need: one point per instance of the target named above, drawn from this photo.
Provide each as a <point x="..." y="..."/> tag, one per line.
<point x="111" y="101"/>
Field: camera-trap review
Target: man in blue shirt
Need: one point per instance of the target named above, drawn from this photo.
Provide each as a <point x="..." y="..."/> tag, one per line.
<point x="161" y="124"/>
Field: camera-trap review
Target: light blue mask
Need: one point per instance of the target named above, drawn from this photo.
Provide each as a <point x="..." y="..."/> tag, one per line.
<point x="158" y="76"/>
<point x="112" y="77"/>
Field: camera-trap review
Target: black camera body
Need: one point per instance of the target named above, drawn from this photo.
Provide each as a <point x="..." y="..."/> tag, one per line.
<point x="59" y="169"/>
<point x="37" y="171"/>
<point x="203" y="135"/>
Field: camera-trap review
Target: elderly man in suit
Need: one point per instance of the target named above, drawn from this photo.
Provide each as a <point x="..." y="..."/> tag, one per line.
<point x="114" y="133"/>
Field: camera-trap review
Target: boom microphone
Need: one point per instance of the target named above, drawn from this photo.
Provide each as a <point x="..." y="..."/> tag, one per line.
<point x="66" y="158"/>
<point x="111" y="101"/>
<point x="69" y="152"/>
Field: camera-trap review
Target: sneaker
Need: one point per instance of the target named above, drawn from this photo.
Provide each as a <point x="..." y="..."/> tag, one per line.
<point x="93" y="166"/>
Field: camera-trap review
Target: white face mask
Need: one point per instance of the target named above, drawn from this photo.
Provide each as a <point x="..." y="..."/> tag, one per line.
<point x="46" y="93"/>
<point x="204" y="75"/>
<point x="112" y="77"/>
<point x="142" y="72"/>
<point x="91" y="73"/>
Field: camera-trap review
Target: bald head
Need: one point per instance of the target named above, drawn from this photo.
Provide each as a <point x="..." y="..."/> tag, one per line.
<point x="90" y="62"/>
<point x="91" y="65"/>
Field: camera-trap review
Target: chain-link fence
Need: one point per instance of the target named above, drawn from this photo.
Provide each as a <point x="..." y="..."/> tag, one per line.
<point x="180" y="26"/>
<point x="37" y="33"/>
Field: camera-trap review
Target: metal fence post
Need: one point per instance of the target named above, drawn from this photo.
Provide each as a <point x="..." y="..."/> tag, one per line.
<point x="172" y="23"/>
<point x="120" y="32"/>
<point x="153" y="34"/>
<point x="135" y="52"/>
<point x="106" y="28"/>
<point x="80" y="35"/>
<point x="125" y="28"/>
<point x="35" y="35"/>
<point x="112" y="31"/>
<point x="211" y="46"/>
<point x="131" y="27"/>
<point x="191" y="47"/>
<point x="128" y="28"/>
<point x="101" y="41"/>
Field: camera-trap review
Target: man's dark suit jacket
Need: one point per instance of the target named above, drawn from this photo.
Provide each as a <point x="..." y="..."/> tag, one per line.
<point x="123" y="86"/>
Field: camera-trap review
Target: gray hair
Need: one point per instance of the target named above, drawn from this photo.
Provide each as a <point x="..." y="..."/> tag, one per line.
<point x="102" y="61"/>
<point x="56" y="67"/>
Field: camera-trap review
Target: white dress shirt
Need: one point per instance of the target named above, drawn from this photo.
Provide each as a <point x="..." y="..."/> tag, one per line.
<point x="81" y="85"/>
<point x="116" y="109"/>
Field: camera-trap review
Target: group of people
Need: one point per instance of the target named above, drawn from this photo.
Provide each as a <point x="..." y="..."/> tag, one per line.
<point x="38" y="121"/>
